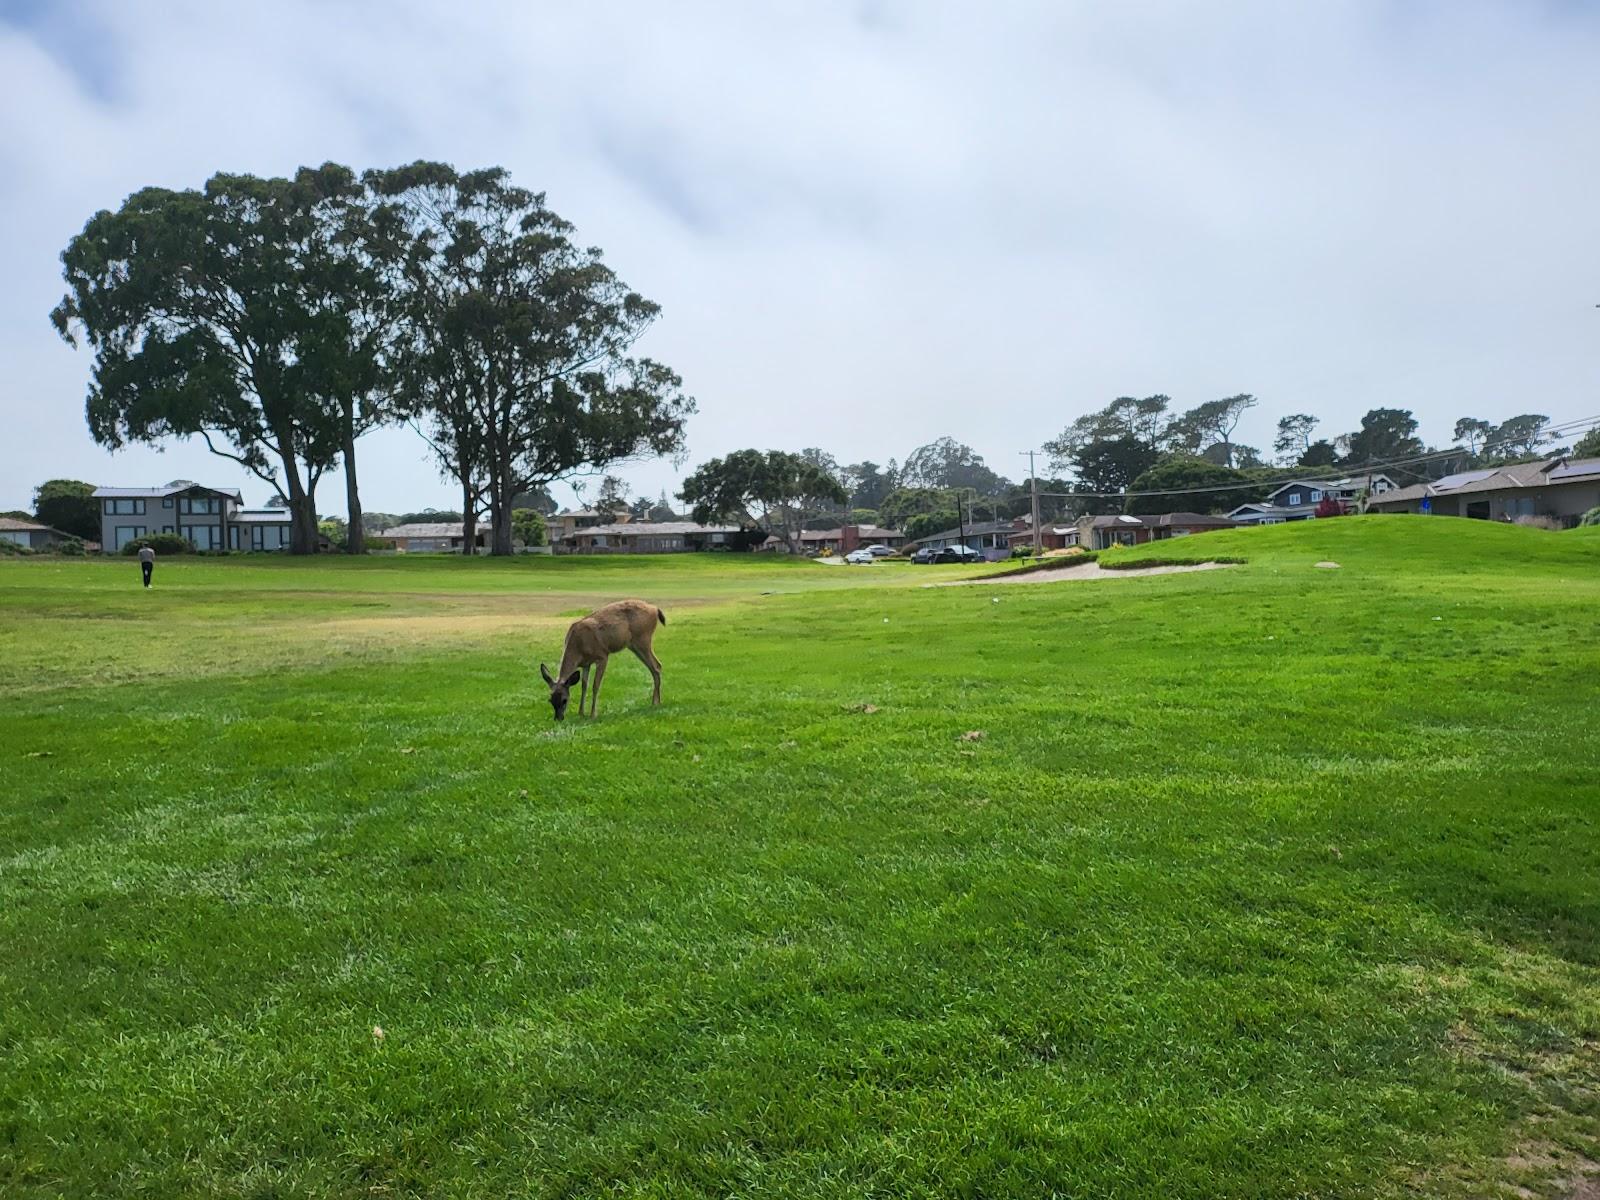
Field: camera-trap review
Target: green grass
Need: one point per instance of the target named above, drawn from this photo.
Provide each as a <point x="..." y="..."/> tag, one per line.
<point x="1271" y="881"/>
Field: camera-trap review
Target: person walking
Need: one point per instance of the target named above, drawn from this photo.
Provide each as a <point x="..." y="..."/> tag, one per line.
<point x="147" y="563"/>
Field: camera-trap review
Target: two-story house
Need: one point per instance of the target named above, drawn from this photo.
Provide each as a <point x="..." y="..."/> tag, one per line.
<point x="211" y="518"/>
<point x="563" y="525"/>
<point x="1299" y="499"/>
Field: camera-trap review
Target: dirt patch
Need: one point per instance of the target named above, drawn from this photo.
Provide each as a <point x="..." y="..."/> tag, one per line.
<point x="1088" y="571"/>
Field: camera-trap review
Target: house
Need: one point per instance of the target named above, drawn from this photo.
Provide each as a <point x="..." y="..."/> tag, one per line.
<point x="1051" y="537"/>
<point x="262" y="529"/>
<point x="650" y="537"/>
<point x="1299" y="499"/>
<point x="211" y="518"/>
<point x="433" y="537"/>
<point x="1558" y="489"/>
<point x="563" y="524"/>
<point x="31" y="534"/>
<point x="992" y="539"/>
<point x="1125" y="529"/>
<point x="841" y="540"/>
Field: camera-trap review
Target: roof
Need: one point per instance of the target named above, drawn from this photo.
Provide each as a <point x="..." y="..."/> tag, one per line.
<point x="171" y="489"/>
<point x="1348" y="483"/>
<point x="866" y="532"/>
<point x="12" y="525"/>
<point x="1497" y="479"/>
<point x="652" y="529"/>
<point x="1577" y="468"/>
<point x="263" y="516"/>
<point x="1167" y="520"/>
<point x="423" y="529"/>
<point x="615" y="517"/>
<point x="972" y="529"/>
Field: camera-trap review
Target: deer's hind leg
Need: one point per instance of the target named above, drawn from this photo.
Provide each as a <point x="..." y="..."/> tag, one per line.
<point x="652" y="664"/>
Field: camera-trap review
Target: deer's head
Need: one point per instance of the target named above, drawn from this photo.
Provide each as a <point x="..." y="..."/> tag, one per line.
<point x="560" y="690"/>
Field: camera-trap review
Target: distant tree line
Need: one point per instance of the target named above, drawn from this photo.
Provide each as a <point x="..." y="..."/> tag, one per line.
<point x="281" y="319"/>
<point x="1190" y="460"/>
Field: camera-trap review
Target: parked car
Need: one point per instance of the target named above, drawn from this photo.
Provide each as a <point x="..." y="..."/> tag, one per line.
<point x="957" y="554"/>
<point x="879" y="551"/>
<point x="924" y="555"/>
<point x="859" y="557"/>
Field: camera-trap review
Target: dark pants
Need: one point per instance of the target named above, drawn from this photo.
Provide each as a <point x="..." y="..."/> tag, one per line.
<point x="147" y="568"/>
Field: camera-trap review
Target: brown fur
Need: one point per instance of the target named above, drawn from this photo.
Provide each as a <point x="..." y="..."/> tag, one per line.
<point x="624" y="625"/>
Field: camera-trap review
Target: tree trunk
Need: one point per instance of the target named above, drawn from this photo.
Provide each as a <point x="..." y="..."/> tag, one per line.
<point x="356" y="538"/>
<point x="501" y="542"/>
<point x="302" y="511"/>
<point x="469" y="515"/>
<point x="502" y="490"/>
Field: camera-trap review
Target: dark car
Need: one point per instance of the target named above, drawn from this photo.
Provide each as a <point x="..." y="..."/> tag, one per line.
<point x="924" y="555"/>
<point x="957" y="554"/>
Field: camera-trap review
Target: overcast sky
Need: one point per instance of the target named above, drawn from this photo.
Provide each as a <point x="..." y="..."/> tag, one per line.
<point x="873" y="223"/>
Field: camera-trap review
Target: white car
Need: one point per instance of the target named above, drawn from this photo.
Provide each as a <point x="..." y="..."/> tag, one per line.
<point x="858" y="557"/>
<point x="879" y="551"/>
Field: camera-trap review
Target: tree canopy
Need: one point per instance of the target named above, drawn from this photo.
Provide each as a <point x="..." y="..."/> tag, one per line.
<point x="1183" y="473"/>
<point x="947" y="463"/>
<point x="517" y="355"/>
<point x="200" y="310"/>
<point x="1386" y="434"/>
<point x="68" y="505"/>
<point x="772" y="490"/>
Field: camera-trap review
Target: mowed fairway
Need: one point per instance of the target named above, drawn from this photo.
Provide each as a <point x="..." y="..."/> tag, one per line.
<point x="1267" y="881"/>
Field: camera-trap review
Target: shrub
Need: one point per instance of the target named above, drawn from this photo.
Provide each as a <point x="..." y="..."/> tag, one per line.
<point x="161" y="543"/>
<point x="1538" y="522"/>
<point x="1592" y="517"/>
<point x="72" y="547"/>
<point x="9" y="547"/>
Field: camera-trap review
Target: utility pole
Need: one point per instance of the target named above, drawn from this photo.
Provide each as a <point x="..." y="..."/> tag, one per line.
<point x="961" y="518"/>
<point x="1033" y="487"/>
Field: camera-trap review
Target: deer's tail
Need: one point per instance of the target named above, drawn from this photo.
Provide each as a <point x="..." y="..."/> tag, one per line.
<point x="661" y="616"/>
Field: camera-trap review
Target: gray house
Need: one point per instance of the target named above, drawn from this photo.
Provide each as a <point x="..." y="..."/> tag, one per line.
<point x="211" y="518"/>
<point x="992" y="539"/>
<point x="648" y="537"/>
<point x="433" y="537"/>
<point x="1559" y="490"/>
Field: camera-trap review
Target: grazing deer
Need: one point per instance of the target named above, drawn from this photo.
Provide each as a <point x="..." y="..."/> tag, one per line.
<point x="625" y="625"/>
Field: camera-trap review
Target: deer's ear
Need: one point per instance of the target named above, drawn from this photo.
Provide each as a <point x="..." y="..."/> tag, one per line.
<point x="545" y="672"/>
<point x="572" y="680"/>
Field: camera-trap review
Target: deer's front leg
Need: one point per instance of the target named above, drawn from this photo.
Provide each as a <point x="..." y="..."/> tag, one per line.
<point x="599" y="674"/>
<point x="584" y="693"/>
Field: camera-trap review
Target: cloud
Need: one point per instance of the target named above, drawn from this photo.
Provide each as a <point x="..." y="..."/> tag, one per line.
<point x="870" y="224"/>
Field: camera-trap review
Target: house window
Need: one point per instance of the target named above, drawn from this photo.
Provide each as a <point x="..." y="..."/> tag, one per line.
<point x="123" y="534"/>
<point x="166" y="502"/>
<point x="1316" y="496"/>
<point x="204" y="537"/>
<point x="125" y="508"/>
<point x="1294" y="498"/>
<point x="199" y="506"/>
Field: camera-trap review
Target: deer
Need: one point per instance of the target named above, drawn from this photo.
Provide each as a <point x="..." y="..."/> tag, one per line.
<point x="624" y="625"/>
